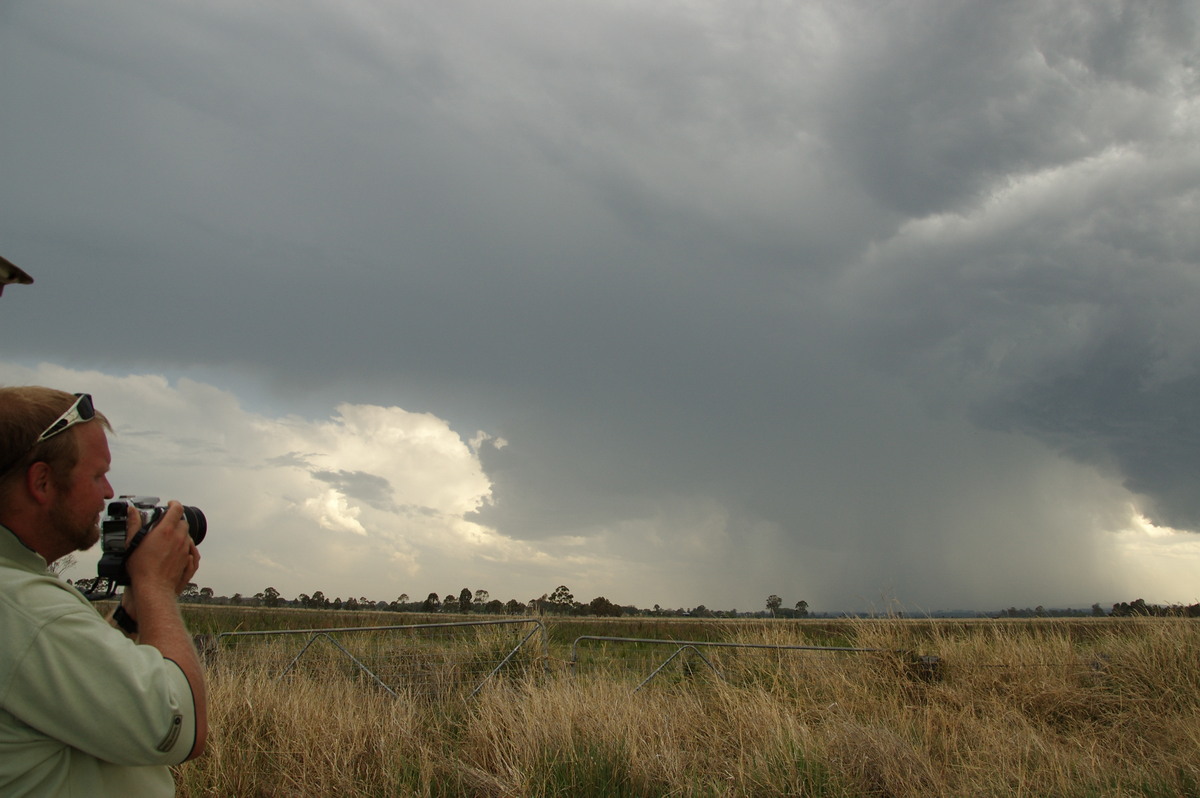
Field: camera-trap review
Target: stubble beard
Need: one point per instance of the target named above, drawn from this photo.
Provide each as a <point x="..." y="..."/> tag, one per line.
<point x="90" y="538"/>
<point x="79" y="534"/>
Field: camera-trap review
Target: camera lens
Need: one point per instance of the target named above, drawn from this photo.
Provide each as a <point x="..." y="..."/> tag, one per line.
<point x="197" y="523"/>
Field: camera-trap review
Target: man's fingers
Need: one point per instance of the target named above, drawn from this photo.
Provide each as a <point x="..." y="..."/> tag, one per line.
<point x="133" y="521"/>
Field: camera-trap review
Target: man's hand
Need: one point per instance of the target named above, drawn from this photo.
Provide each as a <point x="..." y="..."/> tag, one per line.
<point x="166" y="553"/>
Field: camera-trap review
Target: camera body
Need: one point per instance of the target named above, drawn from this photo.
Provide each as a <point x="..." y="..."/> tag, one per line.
<point x="114" y="550"/>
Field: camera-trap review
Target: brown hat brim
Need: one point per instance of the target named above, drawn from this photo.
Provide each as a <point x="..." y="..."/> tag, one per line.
<point x="10" y="273"/>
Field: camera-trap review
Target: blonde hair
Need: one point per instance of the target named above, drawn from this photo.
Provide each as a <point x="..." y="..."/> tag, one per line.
<point x="25" y="411"/>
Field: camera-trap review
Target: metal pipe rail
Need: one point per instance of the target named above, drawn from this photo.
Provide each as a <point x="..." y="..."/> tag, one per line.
<point x="328" y="630"/>
<point x="683" y="645"/>
<point x="327" y="634"/>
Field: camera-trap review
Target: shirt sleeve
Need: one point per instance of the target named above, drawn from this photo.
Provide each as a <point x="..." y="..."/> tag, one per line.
<point x="84" y="683"/>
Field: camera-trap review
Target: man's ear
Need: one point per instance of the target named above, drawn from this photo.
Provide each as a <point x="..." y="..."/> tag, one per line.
<point x="39" y="481"/>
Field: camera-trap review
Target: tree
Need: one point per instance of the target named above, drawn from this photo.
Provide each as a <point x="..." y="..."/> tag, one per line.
<point x="1126" y="609"/>
<point x="87" y="585"/>
<point x="270" y="597"/>
<point x="449" y="603"/>
<point x="62" y="565"/>
<point x="774" y="603"/>
<point x="464" y="600"/>
<point x="562" y="598"/>
<point x="801" y="609"/>
<point x="482" y="596"/>
<point x="432" y="603"/>
<point x="602" y="606"/>
<point x="514" y="607"/>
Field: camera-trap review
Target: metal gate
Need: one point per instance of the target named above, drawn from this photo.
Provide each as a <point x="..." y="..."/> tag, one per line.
<point x="432" y="660"/>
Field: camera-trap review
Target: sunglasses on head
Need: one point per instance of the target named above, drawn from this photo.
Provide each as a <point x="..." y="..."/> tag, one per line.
<point x="80" y="411"/>
<point x="83" y="410"/>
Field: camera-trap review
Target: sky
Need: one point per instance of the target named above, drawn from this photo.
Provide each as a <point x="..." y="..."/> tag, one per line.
<point x="873" y="305"/>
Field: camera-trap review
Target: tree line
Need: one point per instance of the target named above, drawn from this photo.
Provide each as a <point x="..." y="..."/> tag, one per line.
<point x="561" y="601"/>
<point x="1122" y="609"/>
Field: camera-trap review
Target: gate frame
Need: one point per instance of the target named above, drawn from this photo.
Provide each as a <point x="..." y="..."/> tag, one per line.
<point x="315" y="634"/>
<point x="695" y="645"/>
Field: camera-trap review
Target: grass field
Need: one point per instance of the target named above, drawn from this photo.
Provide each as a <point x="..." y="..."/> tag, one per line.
<point x="1103" y="707"/>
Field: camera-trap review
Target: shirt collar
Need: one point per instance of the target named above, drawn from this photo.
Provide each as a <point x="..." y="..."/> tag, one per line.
<point x="13" y="548"/>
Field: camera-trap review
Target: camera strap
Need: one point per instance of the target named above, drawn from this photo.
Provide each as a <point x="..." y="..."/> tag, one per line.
<point x="137" y="541"/>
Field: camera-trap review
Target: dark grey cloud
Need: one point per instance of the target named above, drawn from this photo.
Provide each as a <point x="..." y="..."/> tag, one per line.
<point x="370" y="488"/>
<point x="1071" y="317"/>
<point x="850" y="273"/>
<point x="939" y="109"/>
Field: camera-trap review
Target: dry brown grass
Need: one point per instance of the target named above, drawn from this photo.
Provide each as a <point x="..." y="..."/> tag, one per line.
<point x="1034" y="709"/>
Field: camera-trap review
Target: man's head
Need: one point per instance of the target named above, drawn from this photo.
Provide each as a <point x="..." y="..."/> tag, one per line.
<point x="53" y="460"/>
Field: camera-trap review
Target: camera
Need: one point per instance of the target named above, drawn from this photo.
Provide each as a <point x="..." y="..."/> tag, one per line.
<point x="112" y="532"/>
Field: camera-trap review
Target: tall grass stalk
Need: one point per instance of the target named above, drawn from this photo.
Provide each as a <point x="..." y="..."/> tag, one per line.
<point x="1033" y="709"/>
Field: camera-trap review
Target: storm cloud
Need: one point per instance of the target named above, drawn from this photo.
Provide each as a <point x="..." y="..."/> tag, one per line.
<point x="675" y="303"/>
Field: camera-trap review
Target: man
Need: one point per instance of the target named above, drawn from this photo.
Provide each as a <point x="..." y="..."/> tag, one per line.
<point x="88" y="706"/>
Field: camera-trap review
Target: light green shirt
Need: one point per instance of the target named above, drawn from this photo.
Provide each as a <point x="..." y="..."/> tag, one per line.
<point x="84" y="711"/>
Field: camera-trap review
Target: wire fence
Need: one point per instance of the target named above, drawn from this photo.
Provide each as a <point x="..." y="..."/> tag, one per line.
<point x="439" y="661"/>
<point x="434" y="661"/>
<point x="455" y="661"/>
<point x="642" y="661"/>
